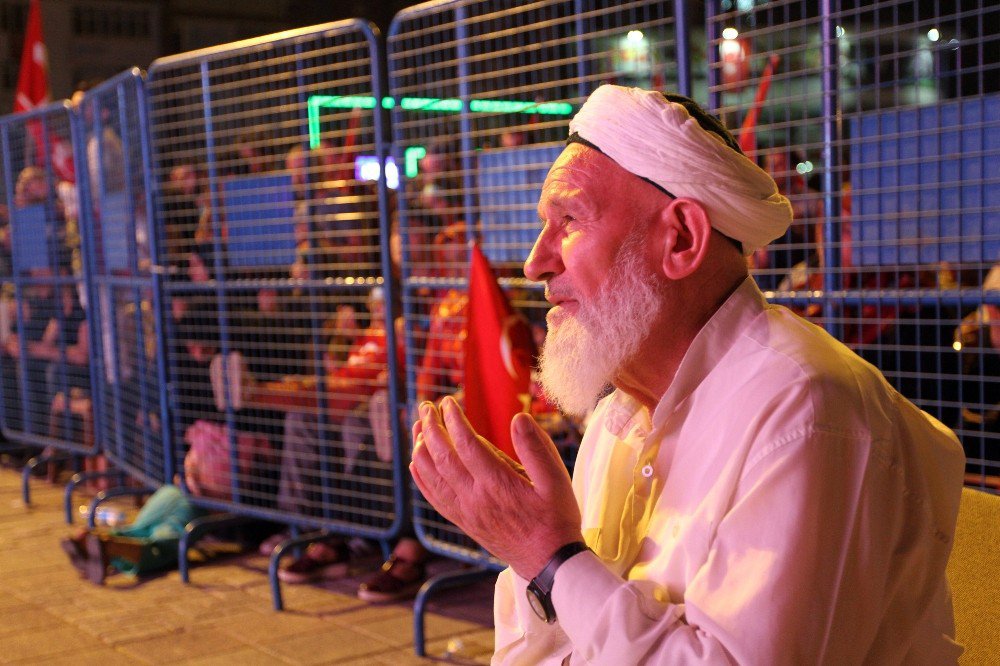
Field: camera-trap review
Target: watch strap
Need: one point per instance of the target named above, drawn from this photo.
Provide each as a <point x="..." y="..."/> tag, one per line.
<point x="541" y="585"/>
<point x="546" y="578"/>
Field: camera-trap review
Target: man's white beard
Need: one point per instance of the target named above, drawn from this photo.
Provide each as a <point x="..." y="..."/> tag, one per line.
<point x="584" y="353"/>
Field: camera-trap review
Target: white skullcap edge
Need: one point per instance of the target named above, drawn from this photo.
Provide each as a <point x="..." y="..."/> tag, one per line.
<point x="659" y="140"/>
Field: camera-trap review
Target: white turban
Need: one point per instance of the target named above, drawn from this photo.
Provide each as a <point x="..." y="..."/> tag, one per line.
<point x="659" y="140"/>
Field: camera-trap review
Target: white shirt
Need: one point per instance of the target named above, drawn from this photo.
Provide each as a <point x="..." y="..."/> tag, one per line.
<point x="782" y="505"/>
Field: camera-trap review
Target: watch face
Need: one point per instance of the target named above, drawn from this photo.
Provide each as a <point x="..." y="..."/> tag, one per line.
<point x="535" y="601"/>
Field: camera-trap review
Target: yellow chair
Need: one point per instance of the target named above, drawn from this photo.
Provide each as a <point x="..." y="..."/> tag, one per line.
<point x="974" y="575"/>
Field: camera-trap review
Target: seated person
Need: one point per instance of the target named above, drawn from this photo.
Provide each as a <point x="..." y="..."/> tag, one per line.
<point x="345" y="388"/>
<point x="978" y="341"/>
<point x="148" y="544"/>
<point x="68" y="374"/>
<point x="194" y="320"/>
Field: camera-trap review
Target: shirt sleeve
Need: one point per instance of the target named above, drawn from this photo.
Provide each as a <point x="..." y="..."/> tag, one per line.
<point x="521" y="637"/>
<point x="798" y="569"/>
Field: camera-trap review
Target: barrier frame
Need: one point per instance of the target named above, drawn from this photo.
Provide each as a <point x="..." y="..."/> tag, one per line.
<point x="202" y="59"/>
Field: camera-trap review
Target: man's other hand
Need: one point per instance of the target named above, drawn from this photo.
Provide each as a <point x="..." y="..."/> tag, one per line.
<point x="520" y="514"/>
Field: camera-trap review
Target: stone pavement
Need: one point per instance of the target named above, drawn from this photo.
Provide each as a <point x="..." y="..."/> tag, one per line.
<point x="52" y="616"/>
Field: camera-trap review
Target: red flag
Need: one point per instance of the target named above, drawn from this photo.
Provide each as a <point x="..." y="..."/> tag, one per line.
<point x="33" y="78"/>
<point x="499" y="351"/>
<point x="33" y="89"/>
<point x="748" y="132"/>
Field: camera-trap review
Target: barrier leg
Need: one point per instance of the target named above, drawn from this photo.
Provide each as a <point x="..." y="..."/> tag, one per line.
<point x="293" y="544"/>
<point x="105" y="495"/>
<point x="442" y="581"/>
<point x="29" y="467"/>
<point x="198" y="528"/>
<point x="83" y="477"/>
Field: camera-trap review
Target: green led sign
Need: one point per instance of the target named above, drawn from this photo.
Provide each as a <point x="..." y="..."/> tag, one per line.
<point x="430" y="104"/>
<point x="411" y="157"/>
<point x="426" y="104"/>
<point x="414" y="154"/>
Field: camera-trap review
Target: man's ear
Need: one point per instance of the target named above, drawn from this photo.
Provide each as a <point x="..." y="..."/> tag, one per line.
<point x="687" y="235"/>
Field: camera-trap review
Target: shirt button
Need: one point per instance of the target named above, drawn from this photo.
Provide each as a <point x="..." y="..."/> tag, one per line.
<point x="647" y="471"/>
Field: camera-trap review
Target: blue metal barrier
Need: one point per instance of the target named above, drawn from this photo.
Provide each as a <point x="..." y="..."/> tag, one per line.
<point x="485" y="94"/>
<point x="889" y="155"/>
<point x="276" y="279"/>
<point x="116" y="209"/>
<point x="45" y="397"/>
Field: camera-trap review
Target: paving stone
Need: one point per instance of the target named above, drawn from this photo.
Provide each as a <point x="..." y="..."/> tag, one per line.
<point x="170" y="649"/>
<point x="26" y="618"/>
<point x="261" y="628"/>
<point x="100" y="657"/>
<point x="244" y="657"/>
<point x="339" y="644"/>
<point x="124" y="626"/>
<point x="41" y="644"/>
<point x="398" y="629"/>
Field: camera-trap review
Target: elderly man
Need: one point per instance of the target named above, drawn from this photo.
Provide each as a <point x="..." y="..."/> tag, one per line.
<point x="751" y="491"/>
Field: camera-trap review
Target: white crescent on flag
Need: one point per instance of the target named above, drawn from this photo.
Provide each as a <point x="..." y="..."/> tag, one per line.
<point x="507" y="346"/>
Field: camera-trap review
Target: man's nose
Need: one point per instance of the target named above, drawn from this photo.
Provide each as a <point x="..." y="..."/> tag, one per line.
<point x="544" y="262"/>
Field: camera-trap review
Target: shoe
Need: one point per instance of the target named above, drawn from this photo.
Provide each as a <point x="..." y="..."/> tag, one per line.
<point x="96" y="565"/>
<point x="321" y="561"/>
<point x="76" y="551"/>
<point x="268" y="545"/>
<point x="398" y="579"/>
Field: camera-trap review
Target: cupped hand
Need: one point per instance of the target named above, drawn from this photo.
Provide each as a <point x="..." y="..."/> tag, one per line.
<point x="520" y="514"/>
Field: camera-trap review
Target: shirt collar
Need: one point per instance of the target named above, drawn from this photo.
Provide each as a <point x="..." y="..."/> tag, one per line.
<point x="713" y="342"/>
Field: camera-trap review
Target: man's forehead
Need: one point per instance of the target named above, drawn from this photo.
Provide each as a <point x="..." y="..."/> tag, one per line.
<point x="582" y="167"/>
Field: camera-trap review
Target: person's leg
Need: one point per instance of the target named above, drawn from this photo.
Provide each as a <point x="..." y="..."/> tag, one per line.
<point x="128" y="555"/>
<point x="139" y="556"/>
<point x="299" y="458"/>
<point x="164" y="515"/>
<point x="354" y="435"/>
<point x="297" y="489"/>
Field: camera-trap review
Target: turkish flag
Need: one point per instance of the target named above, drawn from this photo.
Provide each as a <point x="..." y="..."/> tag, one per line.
<point x="33" y="78"/>
<point x="499" y="352"/>
<point x="33" y="91"/>
<point x="748" y="130"/>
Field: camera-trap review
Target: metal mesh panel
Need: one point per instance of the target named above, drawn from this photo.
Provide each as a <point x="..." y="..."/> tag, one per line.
<point x="482" y="94"/>
<point x="44" y="313"/>
<point x="880" y="124"/>
<point x="275" y="306"/>
<point x="129" y="384"/>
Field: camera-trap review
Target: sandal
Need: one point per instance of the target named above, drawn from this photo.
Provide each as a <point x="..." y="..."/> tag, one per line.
<point x="397" y="579"/>
<point x="320" y="561"/>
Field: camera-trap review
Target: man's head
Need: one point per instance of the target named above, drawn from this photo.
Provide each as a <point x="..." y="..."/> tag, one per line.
<point x="631" y="244"/>
<point x="451" y="250"/>
<point x="31" y="187"/>
<point x="183" y="179"/>
<point x="295" y="165"/>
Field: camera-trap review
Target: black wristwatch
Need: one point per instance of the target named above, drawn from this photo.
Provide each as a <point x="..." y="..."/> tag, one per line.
<point x="540" y="588"/>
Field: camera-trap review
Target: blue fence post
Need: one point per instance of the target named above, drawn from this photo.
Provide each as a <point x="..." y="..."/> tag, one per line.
<point x="157" y="264"/>
<point x="682" y="47"/>
<point x="831" y="173"/>
<point x="712" y="55"/>
<point x="400" y="464"/>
